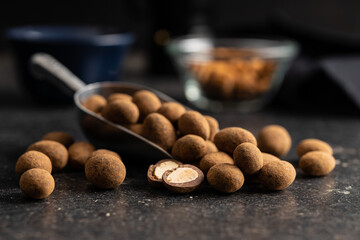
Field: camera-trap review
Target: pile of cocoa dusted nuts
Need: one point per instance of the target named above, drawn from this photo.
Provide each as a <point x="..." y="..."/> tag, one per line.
<point x="233" y="74"/>
<point x="225" y="158"/>
<point x="56" y="150"/>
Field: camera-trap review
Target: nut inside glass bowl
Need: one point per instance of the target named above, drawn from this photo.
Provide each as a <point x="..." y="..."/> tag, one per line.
<point x="231" y="74"/>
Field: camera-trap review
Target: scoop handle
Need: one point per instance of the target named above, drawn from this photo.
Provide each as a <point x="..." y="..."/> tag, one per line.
<point x="45" y="67"/>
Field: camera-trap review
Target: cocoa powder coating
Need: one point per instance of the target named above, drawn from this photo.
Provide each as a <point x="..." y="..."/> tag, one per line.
<point x="104" y="151"/>
<point x="121" y="112"/>
<point x="190" y="148"/>
<point x="312" y="144"/>
<point x="105" y="171"/>
<point x="119" y="96"/>
<point x="277" y="175"/>
<point x="172" y="111"/>
<point x="211" y="147"/>
<point x="228" y="139"/>
<point x="195" y="123"/>
<point x="32" y="159"/>
<point x="267" y="157"/>
<point x="94" y="103"/>
<point x="213" y="159"/>
<point x="79" y="152"/>
<point x="147" y="102"/>
<point x="57" y="153"/>
<point x="219" y="85"/>
<point x="317" y="163"/>
<point x="61" y="137"/>
<point x="213" y="125"/>
<point x="159" y="130"/>
<point x="225" y="177"/>
<point x="274" y="139"/>
<point x="37" y="183"/>
<point x="248" y="158"/>
<point x="136" y="128"/>
<point x="230" y="76"/>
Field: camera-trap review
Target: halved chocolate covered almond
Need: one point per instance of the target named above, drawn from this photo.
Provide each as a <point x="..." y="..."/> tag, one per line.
<point x="156" y="171"/>
<point x="183" y="179"/>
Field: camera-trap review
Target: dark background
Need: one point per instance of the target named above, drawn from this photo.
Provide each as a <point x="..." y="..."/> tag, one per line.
<point x="324" y="29"/>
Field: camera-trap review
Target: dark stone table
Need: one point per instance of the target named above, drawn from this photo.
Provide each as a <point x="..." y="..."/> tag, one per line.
<point x="311" y="208"/>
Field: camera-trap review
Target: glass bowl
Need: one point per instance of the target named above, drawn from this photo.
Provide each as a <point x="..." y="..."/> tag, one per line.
<point x="231" y="74"/>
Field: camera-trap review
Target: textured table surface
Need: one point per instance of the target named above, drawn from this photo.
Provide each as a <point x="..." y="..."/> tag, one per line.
<point x="312" y="208"/>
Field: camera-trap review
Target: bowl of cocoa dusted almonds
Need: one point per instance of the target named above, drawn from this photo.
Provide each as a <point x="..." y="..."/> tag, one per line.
<point x="231" y="74"/>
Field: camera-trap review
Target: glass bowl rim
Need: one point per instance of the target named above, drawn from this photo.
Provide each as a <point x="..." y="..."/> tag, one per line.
<point x="262" y="47"/>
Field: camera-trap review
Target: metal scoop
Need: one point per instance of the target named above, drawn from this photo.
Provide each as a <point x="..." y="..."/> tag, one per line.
<point x="99" y="131"/>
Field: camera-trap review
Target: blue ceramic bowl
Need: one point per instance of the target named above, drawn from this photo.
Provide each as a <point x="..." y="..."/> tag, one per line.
<point x="92" y="54"/>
